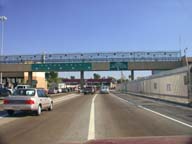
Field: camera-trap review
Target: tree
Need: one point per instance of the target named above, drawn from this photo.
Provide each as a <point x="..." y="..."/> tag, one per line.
<point x="52" y="77"/>
<point x="110" y="77"/>
<point x="96" y="76"/>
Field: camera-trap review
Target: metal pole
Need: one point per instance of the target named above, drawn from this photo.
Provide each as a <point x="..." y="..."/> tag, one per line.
<point x="2" y="38"/>
<point x="189" y="75"/>
<point x="3" y="19"/>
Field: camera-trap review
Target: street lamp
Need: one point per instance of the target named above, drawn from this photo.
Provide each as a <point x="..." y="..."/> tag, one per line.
<point x="186" y="60"/>
<point x="188" y="72"/>
<point x="2" y="19"/>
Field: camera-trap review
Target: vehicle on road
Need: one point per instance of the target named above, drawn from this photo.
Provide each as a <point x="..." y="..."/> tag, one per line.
<point x="22" y="86"/>
<point x="52" y="91"/>
<point x="59" y="90"/>
<point x="65" y="90"/>
<point x="89" y="90"/>
<point x="30" y="99"/>
<point x="45" y="90"/>
<point x="4" y="92"/>
<point x="104" y="90"/>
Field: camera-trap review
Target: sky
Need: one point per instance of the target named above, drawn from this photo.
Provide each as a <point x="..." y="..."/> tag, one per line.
<point x="71" y="26"/>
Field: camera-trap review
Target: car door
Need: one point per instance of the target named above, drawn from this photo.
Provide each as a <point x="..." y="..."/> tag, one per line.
<point x="46" y="99"/>
<point x="42" y="99"/>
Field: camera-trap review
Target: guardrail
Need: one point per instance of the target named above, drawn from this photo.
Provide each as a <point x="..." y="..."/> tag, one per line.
<point x="93" y="57"/>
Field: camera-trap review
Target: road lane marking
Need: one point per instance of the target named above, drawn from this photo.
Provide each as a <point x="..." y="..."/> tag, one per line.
<point x="157" y="113"/>
<point x="58" y="100"/>
<point x="170" y="118"/>
<point x="131" y="103"/>
<point x="91" y="132"/>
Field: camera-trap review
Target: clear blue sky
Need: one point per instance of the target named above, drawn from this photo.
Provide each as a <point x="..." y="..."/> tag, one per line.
<point x="67" y="26"/>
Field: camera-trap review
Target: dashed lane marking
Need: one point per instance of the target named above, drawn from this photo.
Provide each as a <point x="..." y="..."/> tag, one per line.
<point x="157" y="113"/>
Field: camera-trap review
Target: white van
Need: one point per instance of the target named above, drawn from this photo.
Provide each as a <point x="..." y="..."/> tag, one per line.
<point x="22" y="87"/>
<point x="104" y="90"/>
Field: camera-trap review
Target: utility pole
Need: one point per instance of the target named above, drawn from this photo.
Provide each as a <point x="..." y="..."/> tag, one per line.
<point x="2" y="19"/>
<point x="188" y="73"/>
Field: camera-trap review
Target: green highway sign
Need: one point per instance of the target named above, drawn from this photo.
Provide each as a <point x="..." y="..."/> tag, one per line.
<point x="118" y="65"/>
<point x="62" y="67"/>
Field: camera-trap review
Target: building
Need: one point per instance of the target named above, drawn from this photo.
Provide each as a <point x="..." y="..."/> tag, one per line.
<point x="22" y="78"/>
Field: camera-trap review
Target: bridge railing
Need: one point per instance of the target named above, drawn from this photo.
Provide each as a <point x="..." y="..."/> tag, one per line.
<point x="93" y="57"/>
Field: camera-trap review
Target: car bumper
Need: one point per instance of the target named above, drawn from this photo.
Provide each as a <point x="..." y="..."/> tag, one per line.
<point x="104" y="92"/>
<point x="19" y="107"/>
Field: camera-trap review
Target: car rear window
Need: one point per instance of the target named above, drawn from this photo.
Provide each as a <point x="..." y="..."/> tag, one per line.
<point x="24" y="92"/>
<point x="20" y="87"/>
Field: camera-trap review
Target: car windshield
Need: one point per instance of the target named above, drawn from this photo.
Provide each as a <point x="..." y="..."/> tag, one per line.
<point x="24" y="92"/>
<point x="20" y="87"/>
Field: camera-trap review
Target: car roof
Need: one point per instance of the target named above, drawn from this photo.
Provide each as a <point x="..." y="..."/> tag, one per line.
<point x="27" y="89"/>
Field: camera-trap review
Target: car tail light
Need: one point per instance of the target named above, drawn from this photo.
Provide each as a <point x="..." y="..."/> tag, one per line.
<point x="29" y="102"/>
<point x="5" y="101"/>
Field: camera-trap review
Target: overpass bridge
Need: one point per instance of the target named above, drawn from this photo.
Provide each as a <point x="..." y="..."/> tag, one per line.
<point x="108" y="61"/>
<point x="94" y="57"/>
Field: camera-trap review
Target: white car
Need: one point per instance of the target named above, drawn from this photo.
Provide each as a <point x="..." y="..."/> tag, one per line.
<point x="22" y="87"/>
<point x="30" y="99"/>
<point x="104" y="90"/>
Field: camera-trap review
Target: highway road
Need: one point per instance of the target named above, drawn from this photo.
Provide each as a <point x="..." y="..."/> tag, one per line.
<point x="78" y="118"/>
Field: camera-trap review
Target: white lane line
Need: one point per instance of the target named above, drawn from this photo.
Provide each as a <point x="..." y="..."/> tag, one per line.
<point x="157" y="113"/>
<point x="91" y="132"/>
<point x="175" y="120"/>
<point x="131" y="103"/>
<point x="58" y="100"/>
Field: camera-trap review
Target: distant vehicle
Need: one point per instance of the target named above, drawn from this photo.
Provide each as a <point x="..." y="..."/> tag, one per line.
<point x="59" y="90"/>
<point x="104" y="90"/>
<point x="11" y="90"/>
<point x="80" y="90"/>
<point x="65" y="90"/>
<point x="30" y="99"/>
<point x="89" y="90"/>
<point x="45" y="90"/>
<point x="4" y="92"/>
<point x="52" y="91"/>
<point x="22" y="86"/>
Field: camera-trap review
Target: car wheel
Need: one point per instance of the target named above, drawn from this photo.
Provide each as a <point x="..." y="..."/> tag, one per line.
<point x="10" y="112"/>
<point x="38" y="112"/>
<point x="51" y="107"/>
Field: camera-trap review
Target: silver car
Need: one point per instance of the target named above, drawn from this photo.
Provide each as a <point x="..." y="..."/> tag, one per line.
<point x="104" y="90"/>
<point x="29" y="99"/>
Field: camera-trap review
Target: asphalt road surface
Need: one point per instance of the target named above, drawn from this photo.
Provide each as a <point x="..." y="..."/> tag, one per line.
<point x="78" y="118"/>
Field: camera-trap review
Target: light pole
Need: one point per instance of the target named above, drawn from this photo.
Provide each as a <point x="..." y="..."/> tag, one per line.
<point x="2" y="19"/>
<point x="186" y="60"/>
<point x="188" y="72"/>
